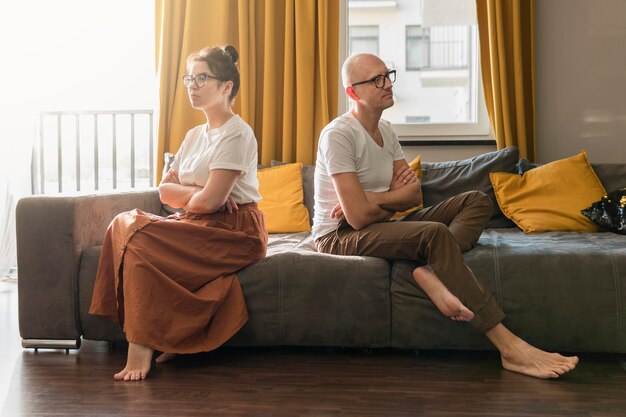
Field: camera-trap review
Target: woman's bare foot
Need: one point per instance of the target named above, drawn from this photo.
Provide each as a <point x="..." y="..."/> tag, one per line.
<point x="137" y="364"/>
<point x="519" y="356"/>
<point x="165" y="357"/>
<point x="445" y="301"/>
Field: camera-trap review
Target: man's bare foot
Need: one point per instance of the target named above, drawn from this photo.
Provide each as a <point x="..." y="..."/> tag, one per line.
<point x="445" y="301"/>
<point x="519" y="356"/>
<point x="137" y="364"/>
<point x="165" y="357"/>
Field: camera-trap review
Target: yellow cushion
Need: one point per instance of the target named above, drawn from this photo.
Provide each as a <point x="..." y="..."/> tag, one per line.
<point x="550" y="197"/>
<point x="282" y="199"/>
<point x="416" y="166"/>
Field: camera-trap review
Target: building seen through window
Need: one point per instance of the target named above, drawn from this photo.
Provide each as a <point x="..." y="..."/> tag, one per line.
<point x="364" y="39"/>
<point x="432" y="44"/>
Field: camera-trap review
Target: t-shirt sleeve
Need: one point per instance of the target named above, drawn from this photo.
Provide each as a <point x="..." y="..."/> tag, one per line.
<point x="338" y="152"/>
<point x="233" y="151"/>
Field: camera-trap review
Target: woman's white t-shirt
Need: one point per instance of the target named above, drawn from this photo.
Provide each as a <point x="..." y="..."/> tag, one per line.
<point x="345" y="146"/>
<point x="231" y="146"/>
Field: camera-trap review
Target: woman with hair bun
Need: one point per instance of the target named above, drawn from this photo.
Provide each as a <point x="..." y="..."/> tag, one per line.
<point x="171" y="281"/>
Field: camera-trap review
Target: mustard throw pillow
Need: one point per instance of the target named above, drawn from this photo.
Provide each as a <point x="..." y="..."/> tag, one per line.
<point x="282" y="199"/>
<point x="550" y="197"/>
<point x="416" y="166"/>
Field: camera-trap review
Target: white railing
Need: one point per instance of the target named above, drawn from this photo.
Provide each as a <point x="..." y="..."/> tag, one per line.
<point x="448" y="55"/>
<point x="84" y="150"/>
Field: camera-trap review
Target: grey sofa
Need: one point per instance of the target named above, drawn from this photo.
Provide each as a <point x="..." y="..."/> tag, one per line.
<point x="561" y="291"/>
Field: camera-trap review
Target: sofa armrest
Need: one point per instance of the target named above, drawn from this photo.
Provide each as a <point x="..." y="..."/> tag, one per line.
<point x="52" y="232"/>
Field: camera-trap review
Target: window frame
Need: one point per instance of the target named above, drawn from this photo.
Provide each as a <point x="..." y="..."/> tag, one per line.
<point x="457" y="133"/>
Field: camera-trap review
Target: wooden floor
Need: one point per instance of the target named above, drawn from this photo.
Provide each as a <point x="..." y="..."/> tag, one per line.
<point x="294" y="382"/>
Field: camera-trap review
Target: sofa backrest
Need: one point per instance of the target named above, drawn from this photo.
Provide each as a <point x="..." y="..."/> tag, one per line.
<point x="612" y="176"/>
<point x="441" y="180"/>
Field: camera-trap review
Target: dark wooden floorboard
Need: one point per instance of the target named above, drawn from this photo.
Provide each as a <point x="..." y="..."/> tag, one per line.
<point x="294" y="382"/>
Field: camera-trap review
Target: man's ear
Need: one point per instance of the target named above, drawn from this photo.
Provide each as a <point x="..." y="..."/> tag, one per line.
<point x="351" y="93"/>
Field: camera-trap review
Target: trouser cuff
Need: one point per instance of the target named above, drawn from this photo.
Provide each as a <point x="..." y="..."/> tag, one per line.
<point x="487" y="317"/>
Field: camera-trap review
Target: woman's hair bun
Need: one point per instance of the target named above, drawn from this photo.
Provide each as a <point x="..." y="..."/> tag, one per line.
<point x="232" y="52"/>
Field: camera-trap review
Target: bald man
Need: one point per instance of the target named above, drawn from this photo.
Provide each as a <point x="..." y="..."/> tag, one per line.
<point x="362" y="179"/>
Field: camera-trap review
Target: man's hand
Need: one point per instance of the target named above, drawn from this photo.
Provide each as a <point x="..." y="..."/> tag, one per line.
<point x="337" y="213"/>
<point x="353" y="205"/>
<point x="404" y="190"/>
<point x="402" y="176"/>
<point x="372" y="197"/>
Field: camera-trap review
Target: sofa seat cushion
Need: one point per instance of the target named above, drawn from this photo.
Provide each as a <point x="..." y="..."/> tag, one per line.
<point x="297" y="296"/>
<point x="561" y="291"/>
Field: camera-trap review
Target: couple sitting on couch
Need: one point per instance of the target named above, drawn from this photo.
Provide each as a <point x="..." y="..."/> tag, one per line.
<point x="189" y="260"/>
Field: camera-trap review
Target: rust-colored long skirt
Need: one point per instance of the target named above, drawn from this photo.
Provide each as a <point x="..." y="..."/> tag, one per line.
<point x="171" y="281"/>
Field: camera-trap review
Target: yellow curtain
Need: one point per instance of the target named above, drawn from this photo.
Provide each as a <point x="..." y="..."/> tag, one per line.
<point x="288" y="59"/>
<point x="506" y="32"/>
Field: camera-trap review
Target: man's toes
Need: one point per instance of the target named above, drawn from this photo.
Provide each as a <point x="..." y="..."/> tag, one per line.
<point x="566" y="364"/>
<point x="564" y="367"/>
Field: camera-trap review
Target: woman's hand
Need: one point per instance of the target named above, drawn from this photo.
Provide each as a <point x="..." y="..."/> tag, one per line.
<point x="229" y="206"/>
<point x="173" y="193"/>
<point x="214" y="196"/>
<point x="171" y="177"/>
<point x="402" y="176"/>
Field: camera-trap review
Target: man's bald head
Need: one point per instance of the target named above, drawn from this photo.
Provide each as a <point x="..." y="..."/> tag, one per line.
<point x="357" y="67"/>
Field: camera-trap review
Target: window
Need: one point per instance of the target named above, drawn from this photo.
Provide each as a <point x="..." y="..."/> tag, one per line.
<point x="81" y="65"/>
<point x="68" y="55"/>
<point x="417" y="48"/>
<point x="433" y="46"/>
<point x="448" y="47"/>
<point x="364" y="39"/>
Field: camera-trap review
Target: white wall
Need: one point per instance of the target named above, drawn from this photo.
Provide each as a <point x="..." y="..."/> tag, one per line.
<point x="580" y="58"/>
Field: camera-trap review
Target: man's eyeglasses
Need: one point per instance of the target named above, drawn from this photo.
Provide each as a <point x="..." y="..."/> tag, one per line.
<point x="379" y="80"/>
<point x="199" y="79"/>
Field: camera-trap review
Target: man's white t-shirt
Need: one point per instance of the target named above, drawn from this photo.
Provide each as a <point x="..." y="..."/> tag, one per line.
<point x="345" y="146"/>
<point x="231" y="146"/>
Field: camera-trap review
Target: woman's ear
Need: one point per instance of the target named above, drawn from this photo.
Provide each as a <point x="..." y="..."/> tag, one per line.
<point x="351" y="93"/>
<point x="228" y="87"/>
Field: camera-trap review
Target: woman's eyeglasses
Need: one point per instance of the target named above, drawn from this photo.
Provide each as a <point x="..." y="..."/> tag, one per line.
<point x="199" y="79"/>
